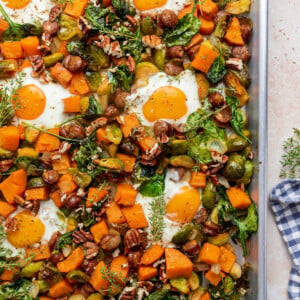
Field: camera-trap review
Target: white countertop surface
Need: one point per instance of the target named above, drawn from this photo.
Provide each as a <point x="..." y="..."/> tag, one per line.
<point x="284" y="112"/>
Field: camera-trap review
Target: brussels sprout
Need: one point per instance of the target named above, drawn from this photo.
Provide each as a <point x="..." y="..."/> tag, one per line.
<point x="29" y="270"/>
<point x="183" y="234"/>
<point x="6" y="153"/>
<point x="160" y="58"/>
<point x="235" y="167"/>
<point x="148" y="26"/>
<point x="238" y="7"/>
<point x="246" y="152"/>
<point x="220" y="239"/>
<point x="78" y="276"/>
<point x="243" y="76"/>
<point x="249" y="168"/>
<point x="111" y="163"/>
<point x="143" y="71"/>
<point x="203" y="86"/>
<point x="162" y="166"/>
<point x="208" y="196"/>
<point x="194" y="281"/>
<point x="35" y="182"/>
<point x="181" y="284"/>
<point x="43" y="286"/>
<point x="197" y="294"/>
<point x="236" y="89"/>
<point x="93" y="79"/>
<point x="112" y="149"/>
<point x="114" y="134"/>
<point x="182" y="161"/>
<point x="236" y="271"/>
<point x="228" y="284"/>
<point x="221" y="27"/>
<point x="214" y="216"/>
<point x="178" y="147"/>
<point x="237" y="144"/>
<point x="82" y="179"/>
<point x="196" y="234"/>
<point x="8" y="68"/>
<point x="97" y="58"/>
<point x="52" y="59"/>
<point x="67" y="27"/>
<point x="95" y="296"/>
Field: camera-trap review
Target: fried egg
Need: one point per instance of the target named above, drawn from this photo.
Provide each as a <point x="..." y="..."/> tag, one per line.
<point x="159" y="5"/>
<point x="40" y="104"/>
<point x="34" y="229"/>
<point x="165" y="98"/>
<point x="175" y="191"/>
<point x="28" y="11"/>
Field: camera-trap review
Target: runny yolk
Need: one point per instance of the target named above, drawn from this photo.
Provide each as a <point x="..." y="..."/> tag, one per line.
<point x="16" y="3"/>
<point x="165" y="103"/>
<point x="148" y="4"/>
<point x="30" y="230"/>
<point x="29" y="102"/>
<point x="184" y="205"/>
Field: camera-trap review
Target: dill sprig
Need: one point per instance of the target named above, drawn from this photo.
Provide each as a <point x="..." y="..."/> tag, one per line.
<point x="9" y="98"/>
<point x="290" y="160"/>
<point x="157" y="223"/>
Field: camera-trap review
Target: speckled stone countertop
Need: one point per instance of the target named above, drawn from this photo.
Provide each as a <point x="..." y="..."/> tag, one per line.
<point x="284" y="115"/>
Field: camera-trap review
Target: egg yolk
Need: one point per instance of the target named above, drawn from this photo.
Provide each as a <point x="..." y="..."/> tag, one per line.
<point x="184" y="205"/>
<point x="16" y="3"/>
<point x="29" y="102"/>
<point x="149" y="4"/>
<point x="165" y="103"/>
<point x="30" y="230"/>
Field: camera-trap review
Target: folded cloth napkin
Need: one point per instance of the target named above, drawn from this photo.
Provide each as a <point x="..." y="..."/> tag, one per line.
<point x="285" y="203"/>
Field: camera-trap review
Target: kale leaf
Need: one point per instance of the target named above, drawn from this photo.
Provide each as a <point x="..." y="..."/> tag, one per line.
<point x="237" y="119"/>
<point x="19" y="289"/>
<point x="121" y="77"/>
<point x="183" y="33"/>
<point x="153" y="187"/>
<point x="94" y="109"/>
<point x="121" y="7"/>
<point x="15" y="31"/>
<point x="76" y="48"/>
<point x="217" y="70"/>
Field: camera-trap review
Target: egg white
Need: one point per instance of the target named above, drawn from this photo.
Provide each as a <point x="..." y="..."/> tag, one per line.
<point x="35" y="11"/>
<point x="186" y="82"/>
<point x="53" y="113"/>
<point x="171" y="189"/>
<point x="174" y="5"/>
<point x="48" y="214"/>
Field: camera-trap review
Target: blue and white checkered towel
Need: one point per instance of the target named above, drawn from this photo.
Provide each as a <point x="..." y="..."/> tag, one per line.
<point x="285" y="202"/>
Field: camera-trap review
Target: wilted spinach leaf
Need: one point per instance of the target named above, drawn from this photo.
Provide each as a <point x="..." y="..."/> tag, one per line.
<point x="236" y="117"/>
<point x="183" y="33"/>
<point x="94" y="109"/>
<point x="121" y="77"/>
<point x="217" y="70"/>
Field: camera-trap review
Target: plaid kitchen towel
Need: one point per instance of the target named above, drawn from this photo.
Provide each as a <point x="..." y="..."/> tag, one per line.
<point x="285" y="203"/>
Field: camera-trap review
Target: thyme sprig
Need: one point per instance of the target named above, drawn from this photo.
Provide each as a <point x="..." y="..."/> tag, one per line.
<point x="9" y="98"/>
<point x="157" y="223"/>
<point x="290" y="160"/>
<point x="113" y="278"/>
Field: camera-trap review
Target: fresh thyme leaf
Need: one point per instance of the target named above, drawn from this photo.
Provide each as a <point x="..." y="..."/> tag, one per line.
<point x="290" y="161"/>
<point x="9" y="98"/>
<point x="113" y="278"/>
<point x="157" y="223"/>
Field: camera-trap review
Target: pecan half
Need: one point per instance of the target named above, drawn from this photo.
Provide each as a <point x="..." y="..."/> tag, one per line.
<point x="71" y="201"/>
<point x="55" y="12"/>
<point x="201" y="216"/>
<point x="88" y="266"/>
<point x="5" y="165"/>
<point x="132" y="240"/>
<point x="91" y="250"/>
<point x="50" y="176"/>
<point x="110" y="241"/>
<point x="191" y="248"/>
<point x="130" y="63"/>
<point x="81" y="236"/>
<point x="84" y="25"/>
<point x="152" y="41"/>
<point x="128" y="293"/>
<point x="134" y="259"/>
<point x="11" y="224"/>
<point x="86" y="289"/>
<point x="54" y="239"/>
<point x="22" y="202"/>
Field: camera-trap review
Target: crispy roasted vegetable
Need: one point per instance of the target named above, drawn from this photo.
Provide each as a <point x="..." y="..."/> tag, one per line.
<point x="148" y="26"/>
<point x="238" y="7"/>
<point x="68" y="27"/>
<point x="96" y="57"/>
<point x="235" y="167"/>
<point x="8" y="68"/>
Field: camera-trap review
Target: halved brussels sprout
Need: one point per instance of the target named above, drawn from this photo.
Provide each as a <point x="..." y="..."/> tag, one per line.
<point x="52" y="59"/>
<point x="249" y="168"/>
<point x="182" y="161"/>
<point x="29" y="270"/>
<point x="203" y="86"/>
<point x="181" y="284"/>
<point x="208" y="196"/>
<point x="97" y="58"/>
<point x="236" y="89"/>
<point x="111" y="163"/>
<point x="78" y="276"/>
<point x="143" y="71"/>
<point x="243" y="76"/>
<point x="194" y="281"/>
<point x="35" y="182"/>
<point x="43" y="286"/>
<point x="82" y="179"/>
<point x="67" y="27"/>
<point x="183" y="234"/>
<point x="238" y="7"/>
<point x="220" y="239"/>
<point x="94" y="80"/>
<point x="113" y="133"/>
<point x="160" y="58"/>
<point x="148" y="26"/>
<point x="236" y="144"/>
<point x="178" y="147"/>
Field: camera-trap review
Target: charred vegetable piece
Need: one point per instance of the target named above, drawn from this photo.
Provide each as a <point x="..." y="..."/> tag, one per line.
<point x="235" y="167"/>
<point x="68" y="27"/>
<point x="208" y="196"/>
